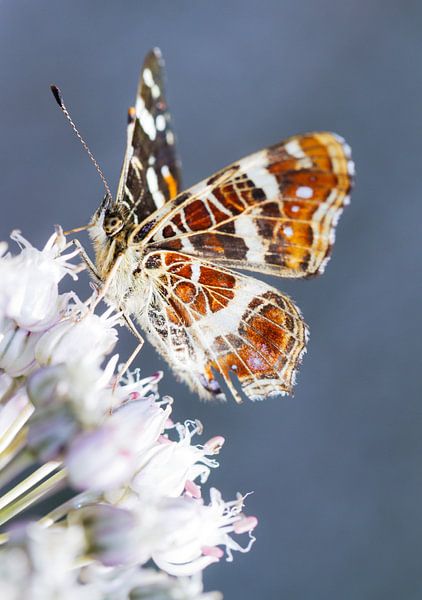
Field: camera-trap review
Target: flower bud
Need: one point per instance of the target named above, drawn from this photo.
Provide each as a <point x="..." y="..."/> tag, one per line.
<point x="75" y="340"/>
<point x="17" y="348"/>
<point x="110" y="532"/>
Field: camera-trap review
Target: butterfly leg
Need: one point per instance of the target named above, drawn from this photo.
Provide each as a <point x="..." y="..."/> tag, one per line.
<point x="134" y="354"/>
<point x="88" y="262"/>
<point x="102" y="292"/>
<point x="132" y="328"/>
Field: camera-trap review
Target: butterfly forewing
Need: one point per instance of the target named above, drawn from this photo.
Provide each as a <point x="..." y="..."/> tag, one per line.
<point x="273" y="212"/>
<point x="207" y="319"/>
<point x="151" y="171"/>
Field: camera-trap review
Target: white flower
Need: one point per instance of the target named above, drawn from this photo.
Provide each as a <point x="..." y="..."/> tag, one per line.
<point x="153" y="585"/>
<point x="183" y="535"/>
<point x="29" y="283"/>
<point x="41" y="565"/>
<point x="168" y="467"/>
<point x="142" y="421"/>
<point x="14" y="572"/>
<point x="139" y="472"/>
<point x="80" y="336"/>
<point x="84" y="386"/>
<point x="145" y="584"/>
<point x="195" y="532"/>
<point x="105" y="458"/>
<point x="68" y="399"/>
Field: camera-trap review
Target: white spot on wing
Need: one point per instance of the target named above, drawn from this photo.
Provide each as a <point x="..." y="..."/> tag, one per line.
<point x="294" y="149"/>
<point x="304" y="191"/>
<point x="347" y="150"/>
<point x="160" y="122"/>
<point x="338" y="137"/>
<point x="147" y="123"/>
<point x="158" y="198"/>
<point x="288" y="231"/>
<point x="148" y="78"/>
<point x="152" y="180"/>
<point x="153" y="187"/>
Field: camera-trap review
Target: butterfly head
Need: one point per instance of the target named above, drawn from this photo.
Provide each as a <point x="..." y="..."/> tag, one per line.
<point x="109" y="218"/>
<point x="113" y="222"/>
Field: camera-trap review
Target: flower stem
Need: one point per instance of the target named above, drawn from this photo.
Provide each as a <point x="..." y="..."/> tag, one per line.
<point x="24" y="494"/>
<point x="17" y="459"/>
<point x="8" y="436"/>
<point x="32" y="497"/>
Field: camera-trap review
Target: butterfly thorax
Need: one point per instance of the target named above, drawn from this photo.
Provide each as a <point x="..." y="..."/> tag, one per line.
<point x="128" y="288"/>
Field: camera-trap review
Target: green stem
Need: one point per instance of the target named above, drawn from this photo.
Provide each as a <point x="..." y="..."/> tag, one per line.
<point x="14" y="508"/>
<point x="22" y="460"/>
<point x="28" y="483"/>
<point x="14" y="428"/>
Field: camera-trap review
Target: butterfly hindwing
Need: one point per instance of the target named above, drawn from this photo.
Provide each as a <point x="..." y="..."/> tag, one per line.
<point x="206" y="319"/>
<point x="274" y="211"/>
<point x="151" y="171"/>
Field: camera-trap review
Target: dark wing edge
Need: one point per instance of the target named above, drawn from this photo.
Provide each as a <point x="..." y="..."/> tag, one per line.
<point x="150" y="175"/>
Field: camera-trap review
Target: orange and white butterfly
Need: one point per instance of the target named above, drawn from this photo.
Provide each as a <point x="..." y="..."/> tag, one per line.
<point x="167" y="254"/>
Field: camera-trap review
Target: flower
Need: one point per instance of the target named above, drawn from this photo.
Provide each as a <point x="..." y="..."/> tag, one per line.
<point x="68" y="399"/>
<point x="29" y="282"/>
<point x="136" y="583"/>
<point x="106" y="457"/>
<point x="41" y="564"/>
<point x="111" y="438"/>
<point x="80" y="336"/>
<point x="182" y="535"/>
<point x="191" y="532"/>
<point x="159" y="586"/>
<point x="169" y="467"/>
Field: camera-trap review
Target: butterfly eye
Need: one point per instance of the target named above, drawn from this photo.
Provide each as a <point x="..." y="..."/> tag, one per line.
<point x="112" y="224"/>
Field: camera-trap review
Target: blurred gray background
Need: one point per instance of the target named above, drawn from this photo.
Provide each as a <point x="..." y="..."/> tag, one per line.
<point x="336" y="471"/>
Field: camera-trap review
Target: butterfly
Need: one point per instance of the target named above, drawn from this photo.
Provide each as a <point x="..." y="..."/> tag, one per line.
<point x="167" y="254"/>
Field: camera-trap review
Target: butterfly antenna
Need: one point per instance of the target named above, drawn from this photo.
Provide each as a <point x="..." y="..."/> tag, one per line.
<point x="59" y="99"/>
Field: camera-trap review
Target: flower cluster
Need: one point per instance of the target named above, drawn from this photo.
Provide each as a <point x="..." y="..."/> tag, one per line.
<point x="68" y="418"/>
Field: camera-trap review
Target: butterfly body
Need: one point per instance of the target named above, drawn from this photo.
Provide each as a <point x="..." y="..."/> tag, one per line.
<point x="171" y="253"/>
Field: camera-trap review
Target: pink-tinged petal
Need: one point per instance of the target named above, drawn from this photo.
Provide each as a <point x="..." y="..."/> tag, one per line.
<point x="214" y="445"/>
<point x="96" y="461"/>
<point x="192" y="489"/>
<point x="245" y="524"/>
<point x="213" y="551"/>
